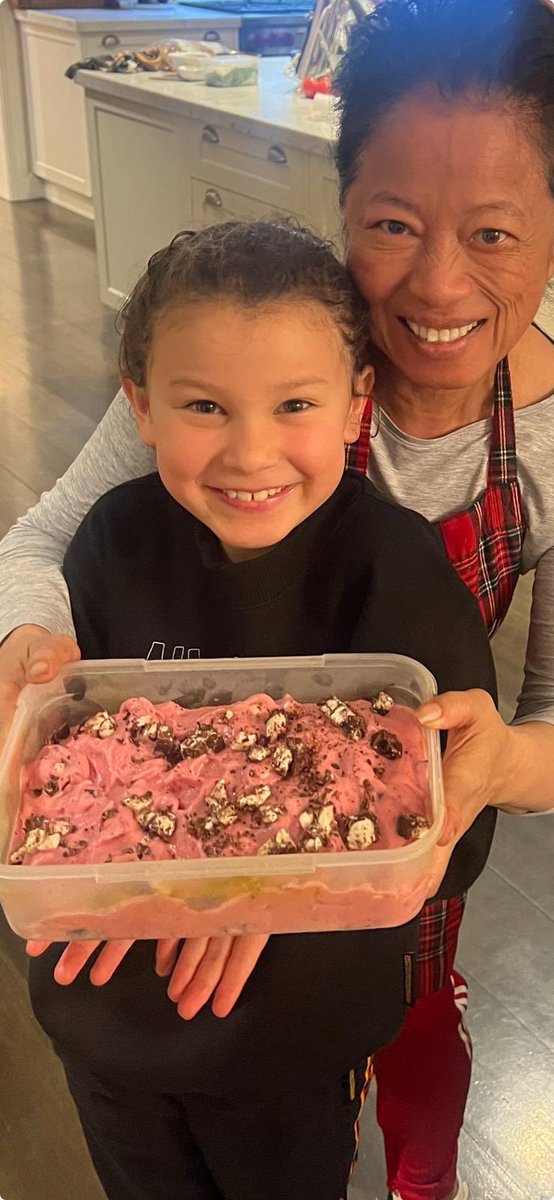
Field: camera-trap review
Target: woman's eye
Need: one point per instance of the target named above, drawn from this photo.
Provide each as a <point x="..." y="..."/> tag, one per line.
<point x="397" y="228"/>
<point x="203" y="406"/>
<point x="295" y="406"/>
<point x="491" y="237"/>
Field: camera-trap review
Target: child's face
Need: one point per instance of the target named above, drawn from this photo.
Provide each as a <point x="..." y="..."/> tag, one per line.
<point x="249" y="411"/>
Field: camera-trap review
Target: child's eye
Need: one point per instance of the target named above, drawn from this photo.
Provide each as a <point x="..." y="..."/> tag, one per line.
<point x="204" y="406"/>
<point x="295" y="406"/>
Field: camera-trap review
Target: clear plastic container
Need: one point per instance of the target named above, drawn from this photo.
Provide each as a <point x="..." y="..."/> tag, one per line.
<point x="204" y="897"/>
<point x="233" y="70"/>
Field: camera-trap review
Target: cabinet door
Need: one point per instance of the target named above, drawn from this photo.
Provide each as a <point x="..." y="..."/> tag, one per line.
<point x="141" y="190"/>
<point x="56" y="109"/>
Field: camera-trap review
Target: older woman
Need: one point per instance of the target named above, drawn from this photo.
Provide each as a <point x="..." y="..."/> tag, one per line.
<point x="446" y="165"/>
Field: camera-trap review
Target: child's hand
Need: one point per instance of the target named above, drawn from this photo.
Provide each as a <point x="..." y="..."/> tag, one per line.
<point x="76" y="955"/>
<point x="205" y="965"/>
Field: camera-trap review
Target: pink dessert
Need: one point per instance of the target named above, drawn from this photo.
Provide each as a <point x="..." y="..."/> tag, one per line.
<point x="261" y="777"/>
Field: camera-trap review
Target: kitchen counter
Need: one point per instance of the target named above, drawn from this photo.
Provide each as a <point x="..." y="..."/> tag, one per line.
<point x="87" y="20"/>
<point x="273" y="108"/>
<point x="169" y="155"/>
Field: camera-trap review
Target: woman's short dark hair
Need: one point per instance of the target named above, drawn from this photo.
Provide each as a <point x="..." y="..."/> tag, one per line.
<point x="252" y="264"/>
<point x="460" y="47"/>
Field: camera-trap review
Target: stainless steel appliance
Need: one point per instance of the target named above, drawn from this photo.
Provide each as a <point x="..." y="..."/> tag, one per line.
<point x="269" y="27"/>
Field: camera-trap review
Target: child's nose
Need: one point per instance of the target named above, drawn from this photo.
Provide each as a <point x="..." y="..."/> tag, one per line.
<point x="251" y="448"/>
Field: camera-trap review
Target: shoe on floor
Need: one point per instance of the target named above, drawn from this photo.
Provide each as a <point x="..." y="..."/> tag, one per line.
<point x="461" y="1194"/>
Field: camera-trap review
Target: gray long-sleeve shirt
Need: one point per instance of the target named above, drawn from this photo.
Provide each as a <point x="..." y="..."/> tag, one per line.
<point x="436" y="477"/>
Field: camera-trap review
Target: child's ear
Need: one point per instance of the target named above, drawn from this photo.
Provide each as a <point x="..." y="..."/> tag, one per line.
<point x="139" y="402"/>
<point x="363" y="387"/>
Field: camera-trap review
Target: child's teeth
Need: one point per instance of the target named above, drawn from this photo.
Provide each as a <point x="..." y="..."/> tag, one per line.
<point x="440" y="335"/>
<point x="258" y="497"/>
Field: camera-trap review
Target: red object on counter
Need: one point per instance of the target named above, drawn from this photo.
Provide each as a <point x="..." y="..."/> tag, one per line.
<point x="311" y="86"/>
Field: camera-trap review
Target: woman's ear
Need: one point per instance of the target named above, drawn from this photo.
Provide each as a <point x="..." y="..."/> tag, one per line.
<point x="138" y="400"/>
<point x="363" y="387"/>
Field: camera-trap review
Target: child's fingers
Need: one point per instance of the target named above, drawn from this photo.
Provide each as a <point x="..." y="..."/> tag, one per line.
<point x="189" y="959"/>
<point x="73" y="960"/>
<point x="240" y="964"/>
<point x="167" y="950"/>
<point x="35" y="949"/>
<point x="108" y="961"/>
<point x="206" y="977"/>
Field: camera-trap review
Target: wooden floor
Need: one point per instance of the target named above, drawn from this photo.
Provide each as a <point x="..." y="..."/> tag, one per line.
<point x="57" y="376"/>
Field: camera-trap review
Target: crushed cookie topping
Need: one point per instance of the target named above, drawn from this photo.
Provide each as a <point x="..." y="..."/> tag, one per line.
<point x="256" y="798"/>
<point x="410" y="826"/>
<point x="257" y="753"/>
<point x="101" y="725"/>
<point x="200" y="741"/>
<point x="282" y="759"/>
<point x="282" y="843"/>
<point x="276" y="724"/>
<point x="344" y="717"/>
<point x="362" y="832"/>
<point x="243" y="741"/>
<point x="382" y="703"/>
<point x="386" y="744"/>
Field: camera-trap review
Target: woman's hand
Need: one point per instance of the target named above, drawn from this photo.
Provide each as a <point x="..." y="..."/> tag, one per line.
<point x="30" y="654"/>
<point x="484" y="764"/>
<point x="202" y="967"/>
<point x="478" y="746"/>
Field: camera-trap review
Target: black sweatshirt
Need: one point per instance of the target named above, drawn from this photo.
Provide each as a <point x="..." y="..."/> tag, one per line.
<point x="146" y="579"/>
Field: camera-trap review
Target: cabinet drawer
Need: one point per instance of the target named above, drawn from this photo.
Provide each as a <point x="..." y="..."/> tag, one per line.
<point x="213" y="204"/>
<point x="263" y="167"/>
<point x="112" y="40"/>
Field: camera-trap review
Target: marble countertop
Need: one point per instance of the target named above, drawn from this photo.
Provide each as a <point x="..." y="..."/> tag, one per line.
<point x="273" y="109"/>
<point x="87" y="20"/>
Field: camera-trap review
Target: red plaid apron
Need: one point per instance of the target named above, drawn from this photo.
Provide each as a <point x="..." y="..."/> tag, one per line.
<point x="484" y="545"/>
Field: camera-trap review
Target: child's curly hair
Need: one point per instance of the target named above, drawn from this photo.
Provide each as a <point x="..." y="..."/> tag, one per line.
<point x="252" y="263"/>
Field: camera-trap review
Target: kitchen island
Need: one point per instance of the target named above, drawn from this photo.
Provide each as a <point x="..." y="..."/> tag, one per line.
<point x="168" y="155"/>
<point x="53" y="39"/>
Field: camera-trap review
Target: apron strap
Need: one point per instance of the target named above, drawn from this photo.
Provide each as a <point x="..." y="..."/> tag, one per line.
<point x="502" y="455"/>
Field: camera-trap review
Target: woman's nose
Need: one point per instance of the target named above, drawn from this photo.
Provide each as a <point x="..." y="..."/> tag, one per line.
<point x="440" y="278"/>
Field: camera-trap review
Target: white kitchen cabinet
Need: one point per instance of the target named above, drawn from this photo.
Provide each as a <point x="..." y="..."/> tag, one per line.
<point x="168" y="156"/>
<point x="56" y="108"/>
<point x="141" y="191"/>
<point x="57" y="115"/>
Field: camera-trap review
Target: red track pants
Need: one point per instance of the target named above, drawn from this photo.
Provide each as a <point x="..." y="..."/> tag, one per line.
<point x="422" y="1085"/>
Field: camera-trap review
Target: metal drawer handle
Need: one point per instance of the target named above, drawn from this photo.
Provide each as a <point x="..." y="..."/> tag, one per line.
<point x="213" y="198"/>
<point x="212" y="36"/>
<point x="209" y="134"/>
<point x="111" y="39"/>
<point x="276" y="154"/>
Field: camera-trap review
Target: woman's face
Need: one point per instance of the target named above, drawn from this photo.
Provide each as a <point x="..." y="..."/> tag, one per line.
<point x="450" y="225"/>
